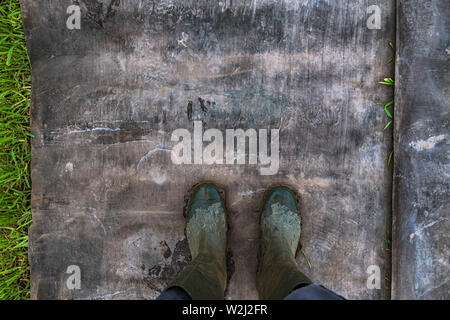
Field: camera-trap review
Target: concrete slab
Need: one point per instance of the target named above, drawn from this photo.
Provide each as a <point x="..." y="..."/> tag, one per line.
<point x="421" y="268"/>
<point x="107" y="196"/>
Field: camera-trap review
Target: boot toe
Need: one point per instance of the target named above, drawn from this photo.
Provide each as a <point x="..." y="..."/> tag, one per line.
<point x="283" y="196"/>
<point x="206" y="193"/>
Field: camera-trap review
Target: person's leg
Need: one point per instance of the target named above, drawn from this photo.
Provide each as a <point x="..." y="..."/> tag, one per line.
<point x="278" y="273"/>
<point x="206" y="228"/>
<point x="279" y="276"/>
<point x="174" y="293"/>
<point x="313" y="292"/>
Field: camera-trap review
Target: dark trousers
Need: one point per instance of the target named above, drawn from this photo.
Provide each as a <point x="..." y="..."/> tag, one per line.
<point x="308" y="292"/>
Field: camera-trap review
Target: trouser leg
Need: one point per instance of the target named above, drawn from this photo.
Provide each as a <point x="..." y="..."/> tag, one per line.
<point x="313" y="292"/>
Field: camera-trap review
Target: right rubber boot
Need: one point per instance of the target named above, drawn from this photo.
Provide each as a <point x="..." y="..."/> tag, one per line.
<point x="280" y="227"/>
<point x="205" y="278"/>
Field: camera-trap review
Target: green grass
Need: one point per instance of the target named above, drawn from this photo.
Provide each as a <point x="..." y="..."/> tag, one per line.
<point x="15" y="184"/>
<point x="306" y="257"/>
<point x="390" y="104"/>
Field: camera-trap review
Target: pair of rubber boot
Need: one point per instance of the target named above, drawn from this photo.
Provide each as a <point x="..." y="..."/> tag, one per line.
<point x="206" y="230"/>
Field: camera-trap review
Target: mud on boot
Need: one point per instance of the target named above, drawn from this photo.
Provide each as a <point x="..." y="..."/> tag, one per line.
<point x="280" y="228"/>
<point x="206" y="231"/>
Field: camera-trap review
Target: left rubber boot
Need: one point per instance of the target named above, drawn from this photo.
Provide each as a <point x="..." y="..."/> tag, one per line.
<point x="205" y="278"/>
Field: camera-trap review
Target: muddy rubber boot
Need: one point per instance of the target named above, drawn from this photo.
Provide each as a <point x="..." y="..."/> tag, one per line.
<point x="205" y="278"/>
<point x="278" y="272"/>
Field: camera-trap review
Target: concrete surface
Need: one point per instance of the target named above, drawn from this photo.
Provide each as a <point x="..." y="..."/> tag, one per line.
<point x="106" y="196"/>
<point x="421" y="268"/>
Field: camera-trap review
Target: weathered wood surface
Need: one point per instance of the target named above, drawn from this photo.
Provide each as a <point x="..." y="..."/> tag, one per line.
<point x="107" y="197"/>
<point x="421" y="268"/>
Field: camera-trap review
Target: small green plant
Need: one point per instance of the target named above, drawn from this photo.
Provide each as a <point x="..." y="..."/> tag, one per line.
<point x="390" y="104"/>
<point x="388" y="113"/>
<point x="388" y="241"/>
<point x="390" y="157"/>
<point x="388" y="82"/>
<point x="306" y="257"/>
<point x="391" y="59"/>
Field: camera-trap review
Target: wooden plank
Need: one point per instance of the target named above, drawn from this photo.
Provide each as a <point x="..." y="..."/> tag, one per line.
<point x="421" y="267"/>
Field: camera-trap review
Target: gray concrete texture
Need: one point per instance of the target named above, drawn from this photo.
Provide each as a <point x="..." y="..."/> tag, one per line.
<point x="106" y="99"/>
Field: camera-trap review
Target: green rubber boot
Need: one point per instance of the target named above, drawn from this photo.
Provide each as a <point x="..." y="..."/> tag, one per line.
<point x="205" y="278"/>
<point x="278" y="272"/>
